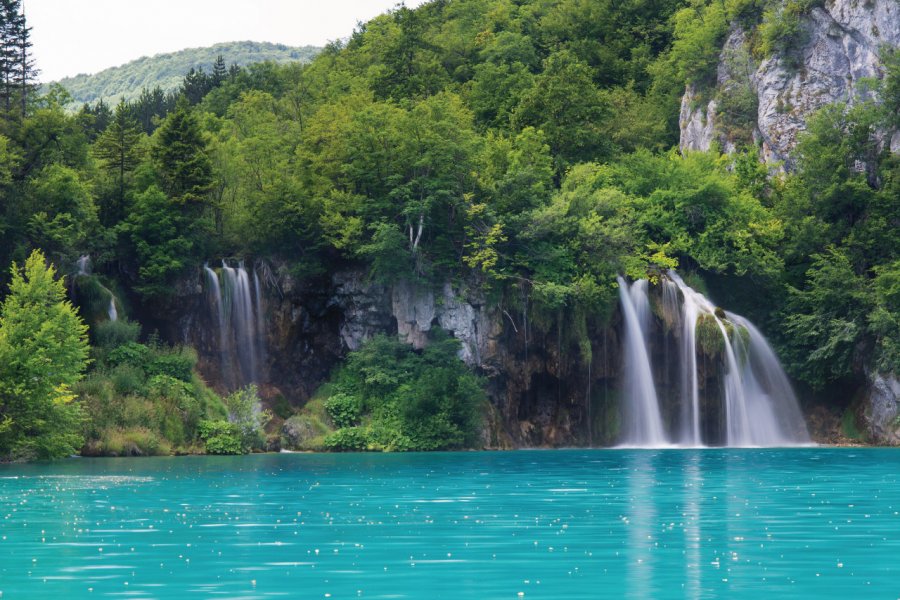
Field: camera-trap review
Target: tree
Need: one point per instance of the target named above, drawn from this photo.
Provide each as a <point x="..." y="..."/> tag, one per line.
<point x="17" y="69"/>
<point x="180" y="154"/>
<point x="564" y="103"/>
<point x="157" y="234"/>
<point x="119" y="146"/>
<point x="43" y="352"/>
<point x="219" y="72"/>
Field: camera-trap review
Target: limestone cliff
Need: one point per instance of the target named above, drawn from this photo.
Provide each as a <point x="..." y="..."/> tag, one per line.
<point x="542" y="392"/>
<point x="838" y="47"/>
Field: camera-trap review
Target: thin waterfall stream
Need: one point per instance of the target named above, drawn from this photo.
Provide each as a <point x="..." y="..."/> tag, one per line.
<point x="238" y="311"/>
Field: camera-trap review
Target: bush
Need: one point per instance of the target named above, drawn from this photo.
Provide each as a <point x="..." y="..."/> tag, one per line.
<point x="343" y="410"/>
<point x="244" y="412"/>
<point x="129" y="353"/>
<point x="348" y="438"/>
<point x="390" y="397"/>
<point x="127" y="379"/>
<point x="178" y="364"/>
<point x="221" y="437"/>
<point x="112" y="334"/>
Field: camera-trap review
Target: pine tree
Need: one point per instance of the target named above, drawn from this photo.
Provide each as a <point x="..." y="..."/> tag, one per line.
<point x="219" y="72"/>
<point x="17" y="70"/>
<point x="26" y="73"/>
<point x="119" y="146"/>
<point x="196" y="85"/>
<point x="43" y="352"/>
<point x="180" y="154"/>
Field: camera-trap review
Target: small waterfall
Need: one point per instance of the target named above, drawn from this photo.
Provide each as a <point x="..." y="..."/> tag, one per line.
<point x="83" y="264"/>
<point x="760" y="406"/>
<point x="237" y="308"/>
<point x="112" y="312"/>
<point x="641" y="423"/>
<point x="83" y="268"/>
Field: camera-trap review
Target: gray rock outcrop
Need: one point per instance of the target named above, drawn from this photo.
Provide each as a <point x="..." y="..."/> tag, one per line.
<point x="842" y="42"/>
<point x="881" y="412"/>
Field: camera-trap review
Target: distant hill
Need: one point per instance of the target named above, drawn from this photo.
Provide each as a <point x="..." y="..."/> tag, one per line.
<point x="167" y="70"/>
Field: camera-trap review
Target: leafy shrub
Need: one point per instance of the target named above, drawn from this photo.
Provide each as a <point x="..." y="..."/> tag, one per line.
<point x="390" y="397"/>
<point x="245" y="413"/>
<point x="113" y="334"/>
<point x="343" y="410"/>
<point x="129" y="353"/>
<point x="221" y="437"/>
<point x="178" y="364"/>
<point x="127" y="379"/>
<point x="348" y="438"/>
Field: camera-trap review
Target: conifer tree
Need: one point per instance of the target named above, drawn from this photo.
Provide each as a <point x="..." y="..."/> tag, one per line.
<point x="17" y="70"/>
<point x="43" y="352"/>
<point x="119" y="146"/>
<point x="180" y="154"/>
<point x="219" y="72"/>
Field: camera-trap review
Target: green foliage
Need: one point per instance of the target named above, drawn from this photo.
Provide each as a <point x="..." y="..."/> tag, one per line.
<point x="43" y="353"/>
<point x="128" y="353"/>
<point x="156" y="233"/>
<point x="179" y="153"/>
<point x="781" y="28"/>
<point x="520" y="147"/>
<point x="343" y="410"/>
<point x="221" y="437"/>
<point x="167" y="70"/>
<point x="699" y="32"/>
<point x="177" y="365"/>
<point x="390" y="397"/>
<point x="348" y="439"/>
<point x="244" y="412"/>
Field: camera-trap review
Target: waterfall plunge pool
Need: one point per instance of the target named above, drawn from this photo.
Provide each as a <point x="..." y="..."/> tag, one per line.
<point x="801" y="522"/>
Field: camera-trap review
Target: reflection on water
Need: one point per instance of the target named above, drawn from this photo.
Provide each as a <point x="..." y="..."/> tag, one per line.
<point x="532" y="524"/>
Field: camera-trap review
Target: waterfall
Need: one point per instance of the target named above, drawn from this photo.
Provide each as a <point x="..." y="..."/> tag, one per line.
<point x="757" y="406"/>
<point x="237" y="309"/>
<point x="641" y="422"/>
<point x="83" y="268"/>
<point x="83" y="264"/>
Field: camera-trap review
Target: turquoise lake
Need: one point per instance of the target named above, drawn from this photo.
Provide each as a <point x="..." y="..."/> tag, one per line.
<point x="527" y="524"/>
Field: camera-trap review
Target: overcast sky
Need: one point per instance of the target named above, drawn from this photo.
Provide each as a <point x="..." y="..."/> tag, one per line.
<point x="86" y="36"/>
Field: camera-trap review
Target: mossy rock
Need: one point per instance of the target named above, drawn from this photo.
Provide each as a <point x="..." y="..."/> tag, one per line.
<point x="709" y="336"/>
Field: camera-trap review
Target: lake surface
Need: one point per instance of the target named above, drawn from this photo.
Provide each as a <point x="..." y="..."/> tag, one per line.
<point x="533" y="524"/>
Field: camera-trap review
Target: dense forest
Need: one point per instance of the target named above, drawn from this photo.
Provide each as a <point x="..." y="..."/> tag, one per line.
<point x="167" y="71"/>
<point x="526" y="147"/>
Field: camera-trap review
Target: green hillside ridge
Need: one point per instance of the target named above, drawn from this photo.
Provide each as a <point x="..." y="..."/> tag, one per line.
<point x="167" y="71"/>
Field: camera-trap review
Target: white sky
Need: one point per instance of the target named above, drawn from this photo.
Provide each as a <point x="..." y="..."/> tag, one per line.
<point x="86" y="36"/>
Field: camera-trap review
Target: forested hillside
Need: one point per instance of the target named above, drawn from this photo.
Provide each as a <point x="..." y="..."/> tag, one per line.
<point x="527" y="149"/>
<point x="166" y="71"/>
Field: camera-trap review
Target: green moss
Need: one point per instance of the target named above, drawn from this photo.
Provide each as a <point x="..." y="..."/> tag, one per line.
<point x="848" y="425"/>
<point x="709" y="337"/>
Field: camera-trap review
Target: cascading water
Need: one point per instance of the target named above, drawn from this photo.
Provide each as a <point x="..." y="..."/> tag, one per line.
<point x="641" y="420"/>
<point x="238" y="313"/>
<point x="83" y="269"/>
<point x="757" y="406"/>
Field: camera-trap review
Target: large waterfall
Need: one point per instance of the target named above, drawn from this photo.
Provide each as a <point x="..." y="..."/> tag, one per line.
<point x="238" y="312"/>
<point x="731" y="389"/>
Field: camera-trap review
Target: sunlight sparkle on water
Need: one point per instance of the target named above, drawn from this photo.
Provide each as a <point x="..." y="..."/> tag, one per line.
<point x="534" y="524"/>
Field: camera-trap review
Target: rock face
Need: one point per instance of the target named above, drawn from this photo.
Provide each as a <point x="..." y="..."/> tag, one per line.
<point x="881" y="410"/>
<point x="841" y="42"/>
<point x="542" y="393"/>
